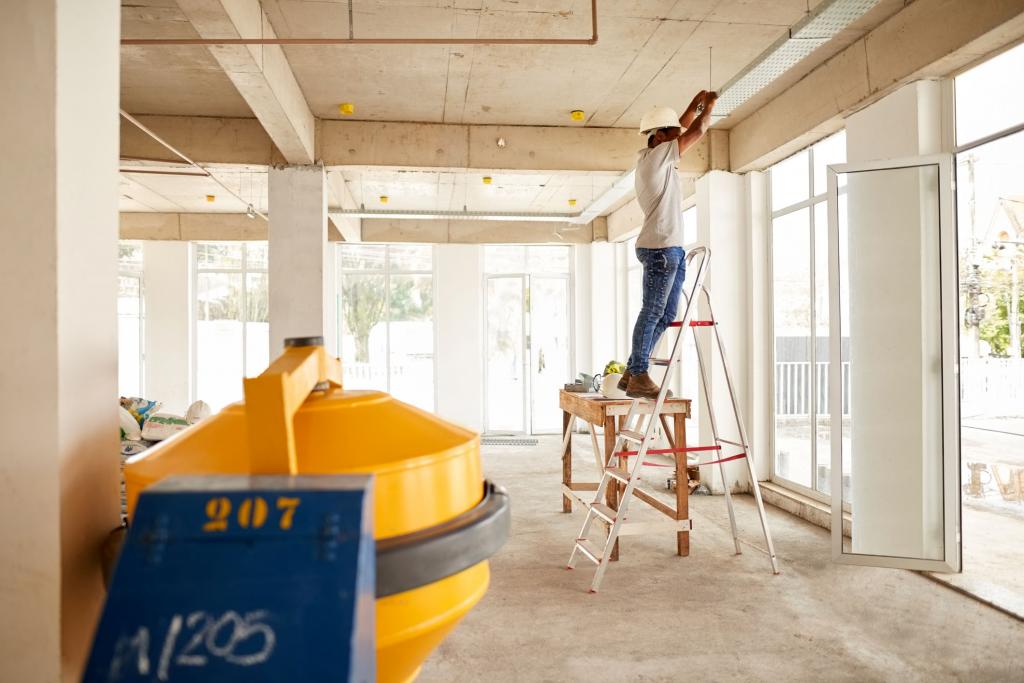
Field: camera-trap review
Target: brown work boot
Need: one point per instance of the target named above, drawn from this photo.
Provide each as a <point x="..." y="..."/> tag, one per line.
<point x="642" y="386"/>
<point x="624" y="381"/>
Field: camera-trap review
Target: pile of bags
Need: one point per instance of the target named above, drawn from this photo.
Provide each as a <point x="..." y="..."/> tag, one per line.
<point x="142" y="425"/>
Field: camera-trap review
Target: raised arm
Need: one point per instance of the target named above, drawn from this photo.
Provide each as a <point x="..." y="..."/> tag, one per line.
<point x="699" y="125"/>
<point x="693" y="110"/>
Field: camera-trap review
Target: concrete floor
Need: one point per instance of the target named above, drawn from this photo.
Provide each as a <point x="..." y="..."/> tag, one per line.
<point x="711" y="616"/>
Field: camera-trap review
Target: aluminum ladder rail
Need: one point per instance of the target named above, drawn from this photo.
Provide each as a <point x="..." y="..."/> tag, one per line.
<point x="613" y="476"/>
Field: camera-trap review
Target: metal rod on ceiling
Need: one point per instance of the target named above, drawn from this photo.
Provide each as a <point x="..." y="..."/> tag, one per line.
<point x="138" y="124"/>
<point x="592" y="40"/>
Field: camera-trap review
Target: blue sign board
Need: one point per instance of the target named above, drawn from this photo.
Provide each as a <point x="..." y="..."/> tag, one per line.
<point x="238" y="578"/>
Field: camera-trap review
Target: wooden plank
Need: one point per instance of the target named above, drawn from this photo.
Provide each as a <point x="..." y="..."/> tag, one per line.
<point x="567" y="422"/>
<point x="612" y="494"/>
<point x="654" y="503"/>
<point x="682" y="492"/>
<point x="582" y="486"/>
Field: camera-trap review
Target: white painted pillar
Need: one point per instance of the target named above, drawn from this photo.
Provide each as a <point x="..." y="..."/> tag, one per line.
<point x="723" y="226"/>
<point x="897" y="508"/>
<point x="167" y="293"/>
<point x="301" y="269"/>
<point x="458" y="319"/>
<point x="761" y="339"/>
<point x="58" y="380"/>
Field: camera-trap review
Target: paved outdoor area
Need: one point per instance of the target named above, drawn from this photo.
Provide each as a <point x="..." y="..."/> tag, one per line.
<point x="712" y="616"/>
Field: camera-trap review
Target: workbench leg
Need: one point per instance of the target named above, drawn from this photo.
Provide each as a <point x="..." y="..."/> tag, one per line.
<point x="567" y="422"/>
<point x="613" y="486"/>
<point x="682" y="485"/>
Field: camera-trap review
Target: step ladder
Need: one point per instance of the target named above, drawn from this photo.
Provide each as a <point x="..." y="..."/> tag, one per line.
<point x="643" y="437"/>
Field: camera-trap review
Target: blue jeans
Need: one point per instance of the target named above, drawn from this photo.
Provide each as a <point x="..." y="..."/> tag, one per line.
<point x="664" y="272"/>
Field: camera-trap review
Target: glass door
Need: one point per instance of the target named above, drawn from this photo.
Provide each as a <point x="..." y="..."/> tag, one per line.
<point x="893" y="318"/>
<point x="506" y="357"/>
<point x="549" y="350"/>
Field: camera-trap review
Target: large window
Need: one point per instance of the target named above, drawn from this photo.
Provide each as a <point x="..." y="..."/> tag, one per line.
<point x="130" y="327"/>
<point x="386" y="319"/>
<point x="799" y="249"/>
<point x="232" y="328"/>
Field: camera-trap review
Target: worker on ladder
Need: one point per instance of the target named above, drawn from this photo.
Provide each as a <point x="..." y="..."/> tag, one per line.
<point x="660" y="244"/>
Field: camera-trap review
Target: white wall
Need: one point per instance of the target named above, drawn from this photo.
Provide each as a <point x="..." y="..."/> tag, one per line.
<point x="58" y="272"/>
<point x="458" y="317"/>
<point x="167" y="296"/>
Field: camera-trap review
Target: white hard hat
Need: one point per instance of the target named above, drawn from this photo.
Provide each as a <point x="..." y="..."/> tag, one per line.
<point x="659" y="117"/>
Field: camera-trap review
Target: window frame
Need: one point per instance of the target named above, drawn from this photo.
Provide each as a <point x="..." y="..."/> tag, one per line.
<point x="386" y="272"/>
<point x="242" y="270"/>
<point x="809" y="203"/>
<point x="138" y="273"/>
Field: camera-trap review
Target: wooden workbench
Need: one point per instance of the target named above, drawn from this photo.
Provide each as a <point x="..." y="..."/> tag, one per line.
<point x="596" y="410"/>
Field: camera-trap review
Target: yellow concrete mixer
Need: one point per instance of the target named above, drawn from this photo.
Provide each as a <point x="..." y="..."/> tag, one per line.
<point x="436" y="520"/>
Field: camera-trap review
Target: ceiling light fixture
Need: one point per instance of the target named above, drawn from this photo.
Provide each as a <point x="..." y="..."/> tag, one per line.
<point x="383" y="199"/>
<point x="577" y="115"/>
<point x="820" y="26"/>
<point x="210" y="198"/>
<point x="487" y="180"/>
<point x="347" y="108"/>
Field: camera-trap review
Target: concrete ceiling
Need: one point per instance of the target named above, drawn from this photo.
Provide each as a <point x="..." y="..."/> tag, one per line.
<point x="650" y="52"/>
<point x="158" y="187"/>
<point x="459" y="190"/>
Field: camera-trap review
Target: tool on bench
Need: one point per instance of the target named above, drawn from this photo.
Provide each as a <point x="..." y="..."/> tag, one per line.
<point x="643" y="437"/>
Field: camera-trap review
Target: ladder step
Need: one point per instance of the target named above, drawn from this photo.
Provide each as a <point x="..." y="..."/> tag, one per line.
<point x="630" y="435"/>
<point x="661" y="361"/>
<point x="617" y="473"/>
<point x="588" y="550"/>
<point x="603" y="511"/>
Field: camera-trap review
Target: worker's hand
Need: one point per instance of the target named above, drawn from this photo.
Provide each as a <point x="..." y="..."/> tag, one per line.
<point x="691" y="112"/>
<point x="697" y="102"/>
<point x="705" y="115"/>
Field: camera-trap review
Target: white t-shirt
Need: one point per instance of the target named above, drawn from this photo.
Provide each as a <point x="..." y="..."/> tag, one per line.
<point x="660" y="197"/>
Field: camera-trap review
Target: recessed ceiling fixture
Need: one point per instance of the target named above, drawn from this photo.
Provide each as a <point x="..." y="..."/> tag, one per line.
<point x="820" y="26"/>
<point x="347" y="108"/>
<point x="577" y="115"/>
<point x="210" y="198"/>
<point x="572" y="202"/>
<point x="487" y="180"/>
<point x="383" y="199"/>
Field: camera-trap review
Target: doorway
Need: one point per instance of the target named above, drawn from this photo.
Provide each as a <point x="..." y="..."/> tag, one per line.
<point x="528" y="349"/>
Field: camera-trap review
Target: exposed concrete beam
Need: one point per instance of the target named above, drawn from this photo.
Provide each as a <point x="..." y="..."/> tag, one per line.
<point x="261" y="73"/>
<point x="191" y="226"/>
<point x="624" y="221"/>
<point x="349" y="228"/>
<point x="927" y="39"/>
<point x="409" y="145"/>
<point x="207" y="140"/>
<point x="475" y="232"/>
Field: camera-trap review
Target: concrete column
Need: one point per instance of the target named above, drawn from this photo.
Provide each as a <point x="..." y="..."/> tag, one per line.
<point x="723" y="226"/>
<point x="301" y="269"/>
<point x="167" y="293"/>
<point x="58" y="272"/>
<point x="759" y="306"/>
<point x="894" y="349"/>
<point x="458" y="319"/>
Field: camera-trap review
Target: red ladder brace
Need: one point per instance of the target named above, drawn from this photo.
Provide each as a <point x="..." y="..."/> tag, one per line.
<point x="692" y="449"/>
